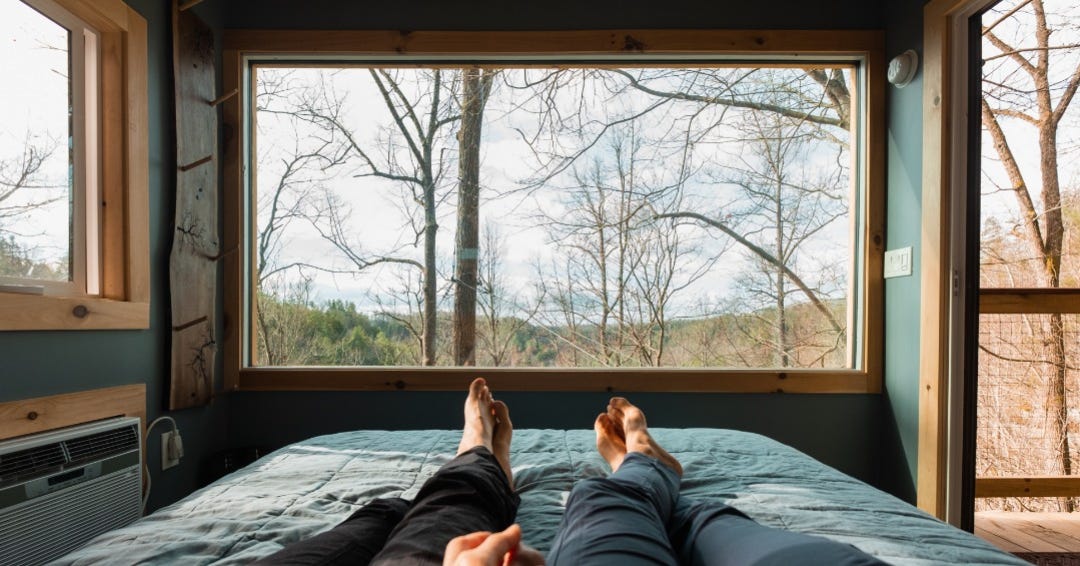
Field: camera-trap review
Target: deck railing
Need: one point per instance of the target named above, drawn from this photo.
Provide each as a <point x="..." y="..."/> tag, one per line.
<point x="1035" y="486"/>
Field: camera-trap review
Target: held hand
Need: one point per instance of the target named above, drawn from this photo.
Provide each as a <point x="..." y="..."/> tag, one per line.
<point x="491" y="549"/>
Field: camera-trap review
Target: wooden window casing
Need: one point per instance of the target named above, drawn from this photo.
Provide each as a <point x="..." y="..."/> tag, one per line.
<point x="123" y="297"/>
<point x="868" y="46"/>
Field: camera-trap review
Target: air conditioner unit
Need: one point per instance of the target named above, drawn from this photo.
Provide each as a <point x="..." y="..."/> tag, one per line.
<point x="59" y="489"/>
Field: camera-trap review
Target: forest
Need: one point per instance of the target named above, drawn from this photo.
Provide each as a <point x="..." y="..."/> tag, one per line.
<point x="336" y="333"/>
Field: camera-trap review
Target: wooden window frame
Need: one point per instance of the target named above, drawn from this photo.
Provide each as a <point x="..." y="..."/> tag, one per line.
<point x="865" y="44"/>
<point x="123" y="300"/>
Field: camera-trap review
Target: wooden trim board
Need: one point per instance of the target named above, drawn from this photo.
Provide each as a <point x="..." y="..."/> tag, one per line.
<point x="232" y="207"/>
<point x="1035" y="486"/>
<point x="1029" y="301"/>
<point x="936" y="283"/>
<point x="508" y="379"/>
<point x="18" y="418"/>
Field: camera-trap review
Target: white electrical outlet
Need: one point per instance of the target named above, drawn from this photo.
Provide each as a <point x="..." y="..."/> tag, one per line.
<point x="167" y="459"/>
<point x="898" y="262"/>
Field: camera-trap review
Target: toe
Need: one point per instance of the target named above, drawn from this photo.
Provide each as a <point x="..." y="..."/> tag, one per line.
<point x="616" y="416"/>
<point x="476" y="388"/>
<point x="607" y="427"/>
<point x="600" y="425"/>
<point x="502" y="412"/>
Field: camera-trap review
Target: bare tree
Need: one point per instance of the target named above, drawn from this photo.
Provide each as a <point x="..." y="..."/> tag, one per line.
<point x="476" y="87"/>
<point x="786" y="205"/>
<point x="670" y="262"/>
<point x="503" y="313"/>
<point x="281" y="317"/>
<point x="740" y="88"/>
<point x="694" y="102"/>
<point x="414" y="154"/>
<point x="1031" y="81"/>
<point x="621" y="269"/>
<point x="24" y="188"/>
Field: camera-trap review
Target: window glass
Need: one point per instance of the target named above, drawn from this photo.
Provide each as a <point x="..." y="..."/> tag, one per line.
<point x="586" y="217"/>
<point x="36" y="148"/>
<point x="1029" y="243"/>
<point x="1030" y="195"/>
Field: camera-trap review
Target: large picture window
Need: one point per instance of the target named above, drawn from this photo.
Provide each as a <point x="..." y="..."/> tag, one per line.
<point x="702" y="213"/>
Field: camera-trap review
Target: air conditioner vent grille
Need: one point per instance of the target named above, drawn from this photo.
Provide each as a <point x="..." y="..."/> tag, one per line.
<point x="22" y="464"/>
<point x="102" y="444"/>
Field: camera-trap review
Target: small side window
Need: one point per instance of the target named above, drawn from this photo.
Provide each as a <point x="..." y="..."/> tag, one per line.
<point x="73" y="175"/>
<point x="48" y="151"/>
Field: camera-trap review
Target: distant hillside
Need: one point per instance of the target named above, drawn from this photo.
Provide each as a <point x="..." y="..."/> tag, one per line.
<point x="335" y="333"/>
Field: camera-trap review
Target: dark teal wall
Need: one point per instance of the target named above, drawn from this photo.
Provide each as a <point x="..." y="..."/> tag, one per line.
<point x="48" y="363"/>
<point x="901" y="425"/>
<point x="841" y="430"/>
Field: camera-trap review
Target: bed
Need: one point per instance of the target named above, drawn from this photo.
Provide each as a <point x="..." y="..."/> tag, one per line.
<point x="307" y="487"/>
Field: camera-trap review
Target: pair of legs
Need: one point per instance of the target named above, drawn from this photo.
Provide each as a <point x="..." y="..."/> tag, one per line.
<point x="473" y="492"/>
<point x="637" y="516"/>
<point x="633" y="516"/>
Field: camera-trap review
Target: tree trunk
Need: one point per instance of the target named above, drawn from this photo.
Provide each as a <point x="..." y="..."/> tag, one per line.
<point x="431" y="227"/>
<point x="1054" y="230"/>
<point x="476" y="84"/>
<point x="1059" y="401"/>
<point x="781" y="298"/>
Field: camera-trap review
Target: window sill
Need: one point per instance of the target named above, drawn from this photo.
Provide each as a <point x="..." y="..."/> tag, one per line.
<point x="544" y="379"/>
<point x="32" y="312"/>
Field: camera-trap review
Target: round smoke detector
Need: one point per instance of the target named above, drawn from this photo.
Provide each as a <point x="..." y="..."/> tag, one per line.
<point x="902" y="68"/>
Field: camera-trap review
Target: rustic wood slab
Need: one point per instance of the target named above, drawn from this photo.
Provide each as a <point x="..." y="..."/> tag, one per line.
<point x="196" y="243"/>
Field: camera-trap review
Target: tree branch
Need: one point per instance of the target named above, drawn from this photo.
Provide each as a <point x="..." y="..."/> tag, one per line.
<point x="757" y="250"/>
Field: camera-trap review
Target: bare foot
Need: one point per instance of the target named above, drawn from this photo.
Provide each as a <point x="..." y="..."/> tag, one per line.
<point x="479" y="426"/>
<point x="637" y="434"/>
<point x="610" y="441"/>
<point x="500" y="442"/>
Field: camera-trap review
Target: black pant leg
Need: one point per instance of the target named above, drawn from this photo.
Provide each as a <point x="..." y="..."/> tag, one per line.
<point x="355" y="541"/>
<point x="470" y="493"/>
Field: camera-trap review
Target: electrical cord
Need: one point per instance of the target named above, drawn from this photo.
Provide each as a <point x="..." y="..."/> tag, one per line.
<point x="146" y="469"/>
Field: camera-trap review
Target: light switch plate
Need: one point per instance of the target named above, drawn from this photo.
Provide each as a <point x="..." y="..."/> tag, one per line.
<point x="898" y="262"/>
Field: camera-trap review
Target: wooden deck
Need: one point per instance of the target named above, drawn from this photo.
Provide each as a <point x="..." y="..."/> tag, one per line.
<point x="1030" y="532"/>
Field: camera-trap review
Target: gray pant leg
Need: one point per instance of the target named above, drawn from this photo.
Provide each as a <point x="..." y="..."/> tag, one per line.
<point x="621" y="519"/>
<point x="713" y="534"/>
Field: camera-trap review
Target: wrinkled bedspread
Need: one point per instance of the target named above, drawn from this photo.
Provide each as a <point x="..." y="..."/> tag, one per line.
<point x="307" y="487"/>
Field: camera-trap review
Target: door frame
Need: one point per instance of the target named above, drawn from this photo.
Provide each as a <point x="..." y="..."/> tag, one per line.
<point x="949" y="286"/>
